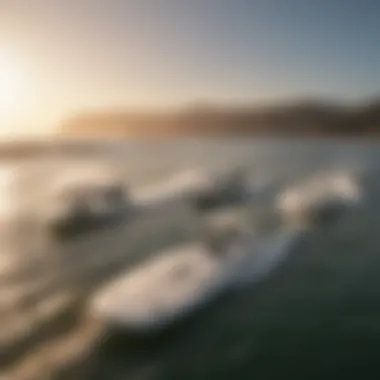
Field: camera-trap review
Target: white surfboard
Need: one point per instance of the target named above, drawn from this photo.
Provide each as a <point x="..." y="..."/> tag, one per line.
<point x="183" y="279"/>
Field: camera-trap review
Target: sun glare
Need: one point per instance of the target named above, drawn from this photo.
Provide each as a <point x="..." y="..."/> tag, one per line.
<point x="15" y="100"/>
<point x="11" y="83"/>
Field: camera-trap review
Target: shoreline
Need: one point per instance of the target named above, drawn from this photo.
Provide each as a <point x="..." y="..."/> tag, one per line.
<point x="14" y="150"/>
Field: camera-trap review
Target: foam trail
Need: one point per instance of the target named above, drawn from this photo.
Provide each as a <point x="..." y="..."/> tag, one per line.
<point x="271" y="255"/>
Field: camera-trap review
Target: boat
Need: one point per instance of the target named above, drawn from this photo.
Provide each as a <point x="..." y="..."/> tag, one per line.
<point x="78" y="203"/>
<point x="175" y="283"/>
<point x="201" y="189"/>
<point x="320" y="200"/>
<point x="222" y="189"/>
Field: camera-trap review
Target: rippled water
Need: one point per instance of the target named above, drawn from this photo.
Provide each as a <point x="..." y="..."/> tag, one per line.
<point x="317" y="317"/>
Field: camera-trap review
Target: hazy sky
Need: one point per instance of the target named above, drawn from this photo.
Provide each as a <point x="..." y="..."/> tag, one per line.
<point x="74" y="54"/>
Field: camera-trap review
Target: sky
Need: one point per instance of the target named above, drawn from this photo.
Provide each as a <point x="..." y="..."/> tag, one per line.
<point x="58" y="57"/>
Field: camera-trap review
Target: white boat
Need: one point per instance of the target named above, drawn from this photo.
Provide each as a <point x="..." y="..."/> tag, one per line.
<point x="222" y="189"/>
<point x="204" y="190"/>
<point x="179" y="281"/>
<point x="81" y="199"/>
<point x="320" y="200"/>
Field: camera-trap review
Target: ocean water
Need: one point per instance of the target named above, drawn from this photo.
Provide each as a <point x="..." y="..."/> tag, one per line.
<point x="315" y="317"/>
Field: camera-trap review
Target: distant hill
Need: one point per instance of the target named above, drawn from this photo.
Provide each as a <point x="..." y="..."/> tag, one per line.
<point x="297" y="119"/>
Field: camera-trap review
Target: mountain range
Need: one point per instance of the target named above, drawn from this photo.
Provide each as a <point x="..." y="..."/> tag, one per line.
<point x="302" y="118"/>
